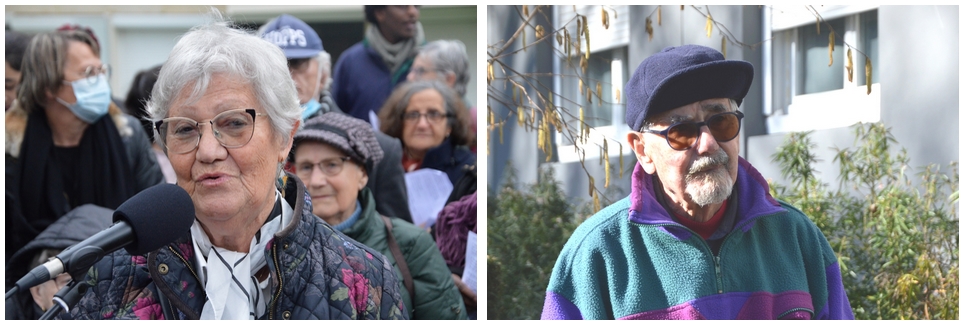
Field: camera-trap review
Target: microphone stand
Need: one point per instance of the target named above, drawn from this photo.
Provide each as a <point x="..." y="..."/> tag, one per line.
<point x="68" y="296"/>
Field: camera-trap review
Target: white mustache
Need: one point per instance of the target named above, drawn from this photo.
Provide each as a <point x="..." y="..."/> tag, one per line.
<point x="704" y="163"/>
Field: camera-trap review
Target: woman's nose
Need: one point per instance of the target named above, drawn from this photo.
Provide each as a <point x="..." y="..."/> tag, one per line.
<point x="209" y="149"/>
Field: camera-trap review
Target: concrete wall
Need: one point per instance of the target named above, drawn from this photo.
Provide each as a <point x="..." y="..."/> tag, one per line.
<point x="519" y="145"/>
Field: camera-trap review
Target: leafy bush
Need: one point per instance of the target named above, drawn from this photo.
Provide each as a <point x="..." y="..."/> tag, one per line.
<point x="896" y="241"/>
<point x="527" y="229"/>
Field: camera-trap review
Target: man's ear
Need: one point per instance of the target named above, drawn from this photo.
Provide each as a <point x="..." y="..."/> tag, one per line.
<point x="380" y="15"/>
<point x="638" y="145"/>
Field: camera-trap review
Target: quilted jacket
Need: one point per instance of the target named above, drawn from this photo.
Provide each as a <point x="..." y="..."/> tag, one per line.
<point x="316" y="273"/>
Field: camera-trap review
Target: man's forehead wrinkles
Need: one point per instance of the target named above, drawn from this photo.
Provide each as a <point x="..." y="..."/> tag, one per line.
<point x="714" y="107"/>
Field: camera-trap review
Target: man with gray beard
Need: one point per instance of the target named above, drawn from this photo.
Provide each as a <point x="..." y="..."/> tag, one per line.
<point x="699" y="236"/>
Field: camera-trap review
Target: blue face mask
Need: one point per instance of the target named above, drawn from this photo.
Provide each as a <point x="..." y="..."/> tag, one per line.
<point x="93" y="98"/>
<point x="309" y="109"/>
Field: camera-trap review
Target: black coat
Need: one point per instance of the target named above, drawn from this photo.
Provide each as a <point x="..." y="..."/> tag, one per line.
<point x="72" y="228"/>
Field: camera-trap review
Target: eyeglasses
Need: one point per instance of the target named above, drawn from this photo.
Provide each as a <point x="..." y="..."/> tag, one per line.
<point x="433" y="116"/>
<point x="330" y="167"/>
<point x="683" y="136"/>
<point x="419" y="71"/>
<point x="93" y="74"/>
<point x="233" y="129"/>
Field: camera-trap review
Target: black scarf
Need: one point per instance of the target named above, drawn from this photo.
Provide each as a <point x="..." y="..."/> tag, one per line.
<point x="107" y="180"/>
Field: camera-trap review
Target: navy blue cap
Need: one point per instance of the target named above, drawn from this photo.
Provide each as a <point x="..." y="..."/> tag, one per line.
<point x="295" y="38"/>
<point x="682" y="75"/>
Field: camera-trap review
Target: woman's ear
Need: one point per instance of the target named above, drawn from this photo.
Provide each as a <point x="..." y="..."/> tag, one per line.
<point x="283" y="155"/>
<point x="363" y="180"/>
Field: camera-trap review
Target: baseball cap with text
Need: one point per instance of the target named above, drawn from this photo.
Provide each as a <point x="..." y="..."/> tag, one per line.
<point x="295" y="38"/>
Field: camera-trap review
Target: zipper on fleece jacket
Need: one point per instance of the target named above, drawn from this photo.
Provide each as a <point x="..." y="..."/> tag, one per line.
<point x="705" y="247"/>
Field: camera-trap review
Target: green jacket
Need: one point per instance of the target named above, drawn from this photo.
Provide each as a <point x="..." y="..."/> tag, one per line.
<point x="436" y="296"/>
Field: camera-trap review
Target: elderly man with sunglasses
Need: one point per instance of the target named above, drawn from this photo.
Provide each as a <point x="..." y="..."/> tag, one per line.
<point x="699" y="236"/>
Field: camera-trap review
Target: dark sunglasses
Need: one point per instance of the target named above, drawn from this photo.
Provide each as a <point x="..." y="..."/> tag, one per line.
<point x="683" y="136"/>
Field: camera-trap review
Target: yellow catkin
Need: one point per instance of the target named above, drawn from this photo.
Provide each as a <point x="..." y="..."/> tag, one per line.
<point x="709" y="26"/>
<point x="604" y="18"/>
<point x="606" y="162"/>
<point x="582" y="120"/>
<point x="649" y="28"/>
<point x="491" y="73"/>
<point x="620" y="160"/>
<point x="595" y="202"/>
<point x="850" y="66"/>
<point x="585" y="24"/>
<point x="522" y="116"/>
<point x="578" y="26"/>
<point x="586" y="31"/>
<point x="592" y="186"/>
<point x="723" y="47"/>
<point x="869" y="71"/>
<point x="830" y="48"/>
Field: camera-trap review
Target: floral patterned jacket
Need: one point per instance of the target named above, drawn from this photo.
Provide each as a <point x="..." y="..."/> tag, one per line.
<point x="316" y="273"/>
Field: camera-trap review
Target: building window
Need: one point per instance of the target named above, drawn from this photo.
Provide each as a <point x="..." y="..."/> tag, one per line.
<point x="813" y="73"/>
<point x="807" y="90"/>
<point x="607" y="67"/>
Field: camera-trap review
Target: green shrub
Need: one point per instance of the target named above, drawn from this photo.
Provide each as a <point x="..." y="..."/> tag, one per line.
<point x="897" y="241"/>
<point x="526" y="231"/>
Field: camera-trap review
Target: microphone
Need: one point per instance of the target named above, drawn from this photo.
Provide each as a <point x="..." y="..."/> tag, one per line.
<point x="147" y="221"/>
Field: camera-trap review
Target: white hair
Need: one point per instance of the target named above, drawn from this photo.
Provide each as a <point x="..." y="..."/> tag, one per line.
<point x="324" y="67"/>
<point x="449" y="56"/>
<point x="215" y="48"/>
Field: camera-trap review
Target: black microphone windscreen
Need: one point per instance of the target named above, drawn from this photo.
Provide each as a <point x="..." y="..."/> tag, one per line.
<point x="158" y="215"/>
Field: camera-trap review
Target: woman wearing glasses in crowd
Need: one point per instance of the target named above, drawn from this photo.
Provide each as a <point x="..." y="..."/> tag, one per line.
<point x="333" y="155"/>
<point x="433" y="125"/>
<point x="67" y="144"/>
<point x="226" y="112"/>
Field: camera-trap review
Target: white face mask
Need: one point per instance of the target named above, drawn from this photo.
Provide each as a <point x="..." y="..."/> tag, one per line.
<point x="93" y="98"/>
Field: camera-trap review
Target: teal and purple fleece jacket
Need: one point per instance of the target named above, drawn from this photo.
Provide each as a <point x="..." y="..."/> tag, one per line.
<point x="633" y="261"/>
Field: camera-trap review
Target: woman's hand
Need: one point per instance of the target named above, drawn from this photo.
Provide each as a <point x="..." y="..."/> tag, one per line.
<point x="468" y="296"/>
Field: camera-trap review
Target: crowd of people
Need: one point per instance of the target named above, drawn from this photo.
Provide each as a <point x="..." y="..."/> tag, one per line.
<point x="297" y="172"/>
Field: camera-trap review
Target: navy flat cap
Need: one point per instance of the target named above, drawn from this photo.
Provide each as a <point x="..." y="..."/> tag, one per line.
<point x="681" y="75"/>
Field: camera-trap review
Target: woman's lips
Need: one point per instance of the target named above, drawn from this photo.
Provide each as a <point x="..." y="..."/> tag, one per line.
<point x="213" y="179"/>
<point x="320" y="197"/>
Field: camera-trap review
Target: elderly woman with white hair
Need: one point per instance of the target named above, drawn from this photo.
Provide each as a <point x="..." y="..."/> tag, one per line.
<point x="226" y="112"/>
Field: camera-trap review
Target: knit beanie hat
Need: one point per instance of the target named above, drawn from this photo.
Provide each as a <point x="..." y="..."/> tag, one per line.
<point x="681" y="75"/>
<point x="353" y="136"/>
